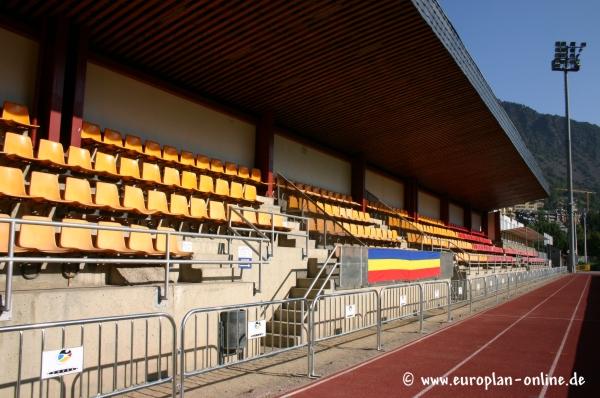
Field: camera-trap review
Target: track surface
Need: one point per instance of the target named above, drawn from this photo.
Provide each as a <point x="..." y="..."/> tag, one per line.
<point x="553" y="330"/>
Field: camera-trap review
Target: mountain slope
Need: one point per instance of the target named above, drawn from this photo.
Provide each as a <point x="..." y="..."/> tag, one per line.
<point x="545" y="137"/>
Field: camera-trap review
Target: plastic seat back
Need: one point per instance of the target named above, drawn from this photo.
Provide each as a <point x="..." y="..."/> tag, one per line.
<point x="107" y="194"/>
<point x="12" y="182"/>
<point x="44" y="185"/>
<point x="15" y="112"/>
<point x="134" y="143"/>
<point x="217" y="166"/>
<point x="264" y="219"/>
<point x="187" y="158"/>
<point x="111" y="240"/>
<point x="237" y="190"/>
<point x="216" y="211"/>
<point x="231" y="169"/>
<point x="202" y="162"/>
<point x="171" y="177"/>
<point x="151" y="172"/>
<point x="189" y="180"/>
<point x="206" y="184"/>
<point x="133" y="197"/>
<point x="105" y="163"/>
<point x="157" y="201"/>
<point x="113" y="137"/>
<point x="129" y="168"/>
<point x="38" y="237"/>
<point x="76" y="238"/>
<point x="250" y="216"/>
<point x="244" y="172"/>
<point x="256" y="175"/>
<point x="79" y="157"/>
<point x="4" y="238"/>
<point x="141" y="241"/>
<point x="18" y="144"/>
<point x="170" y="153"/>
<point x="91" y="131"/>
<point x="250" y="193"/>
<point x="198" y="208"/>
<point x="152" y="148"/>
<point x="222" y="187"/>
<point x="78" y="190"/>
<point x="175" y="246"/>
<point x="179" y="205"/>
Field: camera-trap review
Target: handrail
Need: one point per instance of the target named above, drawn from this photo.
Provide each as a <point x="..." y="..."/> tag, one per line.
<point x="316" y="278"/>
<point x="327" y="216"/>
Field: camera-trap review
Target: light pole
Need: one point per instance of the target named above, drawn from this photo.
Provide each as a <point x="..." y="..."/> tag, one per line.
<point x="566" y="59"/>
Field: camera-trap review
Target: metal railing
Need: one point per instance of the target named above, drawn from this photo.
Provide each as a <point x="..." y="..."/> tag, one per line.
<point x="400" y="302"/>
<point x="289" y="185"/>
<point x="83" y="258"/>
<point x="238" y="211"/>
<point x="234" y="334"/>
<point x="121" y="354"/>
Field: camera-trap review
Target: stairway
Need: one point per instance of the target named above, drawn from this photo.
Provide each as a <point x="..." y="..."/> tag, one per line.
<point x="290" y="322"/>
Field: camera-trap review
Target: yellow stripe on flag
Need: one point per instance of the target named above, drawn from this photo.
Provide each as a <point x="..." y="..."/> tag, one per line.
<point x="391" y="264"/>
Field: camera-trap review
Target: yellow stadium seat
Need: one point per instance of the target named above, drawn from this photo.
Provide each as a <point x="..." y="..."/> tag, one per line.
<point x="4" y="237"/>
<point x="198" y="208"/>
<point x="293" y="202"/>
<point x="216" y="211"/>
<point x="151" y="172"/>
<point x="51" y="152"/>
<point x="46" y="186"/>
<point x="202" y="162"/>
<point x="231" y="169"/>
<point x="133" y="198"/>
<point x="250" y="216"/>
<point x="179" y="206"/>
<point x="13" y="183"/>
<point x="133" y="143"/>
<point x="250" y="193"/>
<point x="157" y="201"/>
<point x="217" y="166"/>
<point x="113" y="241"/>
<point x="244" y="172"/>
<point x="171" y="177"/>
<point x="112" y="137"/>
<point x="170" y="154"/>
<point x="40" y="238"/>
<point x="18" y="146"/>
<point x="189" y="180"/>
<point x="152" y="150"/>
<point x="206" y="184"/>
<point x="222" y="188"/>
<point x="187" y="158"/>
<point x="80" y="159"/>
<point x="278" y="221"/>
<point x="90" y="132"/>
<point x="107" y="195"/>
<point x="105" y="163"/>
<point x="78" y="239"/>
<point x="175" y="248"/>
<point x="142" y="241"/>
<point x="16" y="115"/>
<point x="236" y="191"/>
<point x="129" y="168"/>
<point x="79" y="192"/>
<point x="264" y="220"/>
<point x="256" y="175"/>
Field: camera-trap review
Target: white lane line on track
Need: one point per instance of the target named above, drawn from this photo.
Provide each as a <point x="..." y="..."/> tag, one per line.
<point x="360" y="365"/>
<point x="564" y="340"/>
<point x="483" y="347"/>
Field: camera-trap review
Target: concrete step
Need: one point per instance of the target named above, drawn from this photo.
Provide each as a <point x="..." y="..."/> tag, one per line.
<point x="298" y="292"/>
<point x="306" y="282"/>
<point x="272" y="340"/>
<point x="285" y="328"/>
<point x="289" y="315"/>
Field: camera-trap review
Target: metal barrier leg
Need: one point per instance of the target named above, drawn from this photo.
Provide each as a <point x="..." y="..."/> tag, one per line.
<point x="311" y="342"/>
<point x="379" y="346"/>
<point x="449" y="302"/>
<point x="470" y="296"/>
<point x="420" y="308"/>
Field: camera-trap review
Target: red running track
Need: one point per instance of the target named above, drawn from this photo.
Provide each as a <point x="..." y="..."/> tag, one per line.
<point x="552" y="330"/>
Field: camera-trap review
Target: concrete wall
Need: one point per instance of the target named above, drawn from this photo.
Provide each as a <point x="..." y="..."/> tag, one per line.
<point x="475" y="221"/>
<point x="389" y="191"/>
<point x="18" y="68"/>
<point x="429" y="205"/>
<point x="308" y="165"/>
<point x="457" y="215"/>
<point x="129" y="106"/>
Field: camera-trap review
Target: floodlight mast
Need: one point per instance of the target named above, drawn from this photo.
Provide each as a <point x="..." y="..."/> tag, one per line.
<point x="566" y="59"/>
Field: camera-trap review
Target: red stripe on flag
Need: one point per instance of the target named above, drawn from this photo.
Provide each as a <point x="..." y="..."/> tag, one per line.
<point x="401" y="274"/>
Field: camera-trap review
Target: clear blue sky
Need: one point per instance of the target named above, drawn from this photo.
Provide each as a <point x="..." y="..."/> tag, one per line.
<point x="512" y="42"/>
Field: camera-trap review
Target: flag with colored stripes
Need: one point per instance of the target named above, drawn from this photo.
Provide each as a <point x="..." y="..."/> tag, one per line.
<point x="396" y="264"/>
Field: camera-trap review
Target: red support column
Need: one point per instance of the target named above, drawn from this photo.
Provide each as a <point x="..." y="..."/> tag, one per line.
<point x="74" y="90"/>
<point x="358" y="171"/>
<point x="51" y="78"/>
<point x="263" y="149"/>
<point x="411" y="197"/>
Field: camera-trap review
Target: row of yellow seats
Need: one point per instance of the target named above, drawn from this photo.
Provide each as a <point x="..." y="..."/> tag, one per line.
<point x="402" y="224"/>
<point x="43" y="239"/>
<point x="323" y="193"/>
<point x="438" y="241"/>
<point x="45" y="187"/>
<point x="297" y="204"/>
<point x="320" y="225"/>
<point x="91" y="134"/>
<point x="79" y="159"/>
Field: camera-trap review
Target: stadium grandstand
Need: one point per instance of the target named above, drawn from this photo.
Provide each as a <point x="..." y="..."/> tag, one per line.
<point x="159" y="157"/>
